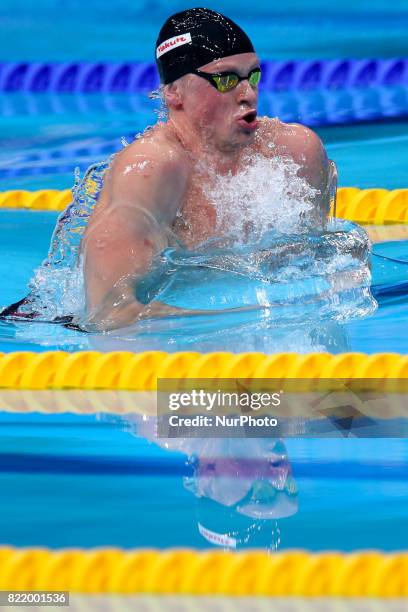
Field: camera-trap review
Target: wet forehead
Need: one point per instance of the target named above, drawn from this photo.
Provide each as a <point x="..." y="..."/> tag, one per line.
<point x="240" y="63"/>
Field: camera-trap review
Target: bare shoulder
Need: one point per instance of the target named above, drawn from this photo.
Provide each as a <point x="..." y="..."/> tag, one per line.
<point x="151" y="173"/>
<point x="298" y="141"/>
<point x="152" y="154"/>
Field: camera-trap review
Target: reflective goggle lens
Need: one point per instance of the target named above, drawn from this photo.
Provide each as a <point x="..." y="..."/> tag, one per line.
<point x="254" y="78"/>
<point x="225" y="82"/>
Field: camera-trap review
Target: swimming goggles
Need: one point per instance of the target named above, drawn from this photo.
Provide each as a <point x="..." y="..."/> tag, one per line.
<point x="225" y="81"/>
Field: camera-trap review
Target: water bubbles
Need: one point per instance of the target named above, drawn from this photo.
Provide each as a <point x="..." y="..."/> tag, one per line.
<point x="266" y="194"/>
<point x="162" y="110"/>
<point x="57" y="291"/>
<point x="57" y="288"/>
<point x="77" y="179"/>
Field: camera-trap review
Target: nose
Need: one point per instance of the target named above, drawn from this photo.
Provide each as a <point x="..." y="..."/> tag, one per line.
<point x="246" y="93"/>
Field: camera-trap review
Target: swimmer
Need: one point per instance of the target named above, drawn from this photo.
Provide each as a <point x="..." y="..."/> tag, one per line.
<point x="158" y="184"/>
<point x="210" y="75"/>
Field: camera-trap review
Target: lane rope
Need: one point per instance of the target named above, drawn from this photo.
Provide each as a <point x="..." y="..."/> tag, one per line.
<point x="307" y="106"/>
<point x="127" y="371"/>
<point x="184" y="571"/>
<point x="127" y="77"/>
<point x="364" y="206"/>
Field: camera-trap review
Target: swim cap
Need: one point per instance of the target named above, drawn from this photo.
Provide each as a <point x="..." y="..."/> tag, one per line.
<point x="195" y="37"/>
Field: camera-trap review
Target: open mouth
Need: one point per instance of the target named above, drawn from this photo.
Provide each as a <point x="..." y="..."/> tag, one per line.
<point x="248" y="121"/>
<point x="249" y="117"/>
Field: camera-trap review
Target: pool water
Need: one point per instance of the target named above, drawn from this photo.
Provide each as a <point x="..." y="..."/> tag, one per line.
<point x="26" y="239"/>
<point x="71" y="480"/>
<point x="125" y="30"/>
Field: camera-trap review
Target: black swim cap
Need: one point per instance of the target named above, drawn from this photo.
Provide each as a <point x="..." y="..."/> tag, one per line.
<point x="193" y="38"/>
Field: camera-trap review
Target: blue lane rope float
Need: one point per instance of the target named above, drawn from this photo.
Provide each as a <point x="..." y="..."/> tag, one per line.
<point x="86" y="77"/>
<point x="314" y="107"/>
<point x="134" y="76"/>
<point x="334" y="74"/>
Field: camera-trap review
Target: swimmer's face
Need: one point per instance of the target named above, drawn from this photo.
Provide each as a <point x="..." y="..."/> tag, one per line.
<point x="227" y="120"/>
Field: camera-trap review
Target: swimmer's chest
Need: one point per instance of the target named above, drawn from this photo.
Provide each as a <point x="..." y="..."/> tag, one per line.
<point x="212" y="200"/>
<point x="196" y="219"/>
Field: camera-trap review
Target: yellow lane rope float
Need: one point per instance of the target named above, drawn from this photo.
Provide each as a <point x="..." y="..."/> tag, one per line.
<point x="140" y="371"/>
<point x="43" y="199"/>
<point x="373" y="206"/>
<point x="123" y="382"/>
<point x="365" y="206"/>
<point x="185" y="571"/>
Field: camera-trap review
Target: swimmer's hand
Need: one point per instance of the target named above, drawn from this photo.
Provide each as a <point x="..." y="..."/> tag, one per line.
<point x="159" y="309"/>
<point x="156" y="310"/>
<point x="125" y="315"/>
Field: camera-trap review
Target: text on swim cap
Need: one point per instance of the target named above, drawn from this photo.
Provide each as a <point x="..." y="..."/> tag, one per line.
<point x="172" y="43"/>
<point x="219" y="539"/>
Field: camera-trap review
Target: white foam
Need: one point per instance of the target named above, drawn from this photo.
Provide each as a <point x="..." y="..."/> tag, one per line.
<point x="266" y="194"/>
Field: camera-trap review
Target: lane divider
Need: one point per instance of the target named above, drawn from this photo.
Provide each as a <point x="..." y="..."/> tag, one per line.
<point x="311" y="107"/>
<point x="126" y="371"/>
<point x="43" y="199"/>
<point x="215" y="572"/>
<point x="365" y="206"/>
<point x="127" y="77"/>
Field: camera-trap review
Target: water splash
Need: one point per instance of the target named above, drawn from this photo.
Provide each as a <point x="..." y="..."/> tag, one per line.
<point x="267" y="254"/>
<point x="57" y="287"/>
<point x="162" y="112"/>
<point x="293" y="277"/>
<point x="267" y="194"/>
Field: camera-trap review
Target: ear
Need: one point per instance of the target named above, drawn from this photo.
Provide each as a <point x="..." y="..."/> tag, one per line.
<point x="173" y="95"/>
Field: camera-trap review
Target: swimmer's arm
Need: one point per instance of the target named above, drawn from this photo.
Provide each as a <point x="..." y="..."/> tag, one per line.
<point x="304" y="146"/>
<point x="308" y="152"/>
<point x="142" y="193"/>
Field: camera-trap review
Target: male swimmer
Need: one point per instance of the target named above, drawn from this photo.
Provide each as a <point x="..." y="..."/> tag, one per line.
<point x="210" y="74"/>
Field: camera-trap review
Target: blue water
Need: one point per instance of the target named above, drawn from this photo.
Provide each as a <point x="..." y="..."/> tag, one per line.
<point x="126" y="30"/>
<point x="86" y="481"/>
<point x="78" y="481"/>
<point x="41" y="148"/>
<point x="26" y="235"/>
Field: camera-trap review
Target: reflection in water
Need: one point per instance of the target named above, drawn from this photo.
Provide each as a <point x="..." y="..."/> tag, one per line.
<point x="239" y="498"/>
<point x="242" y="485"/>
<point x="236" y="332"/>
